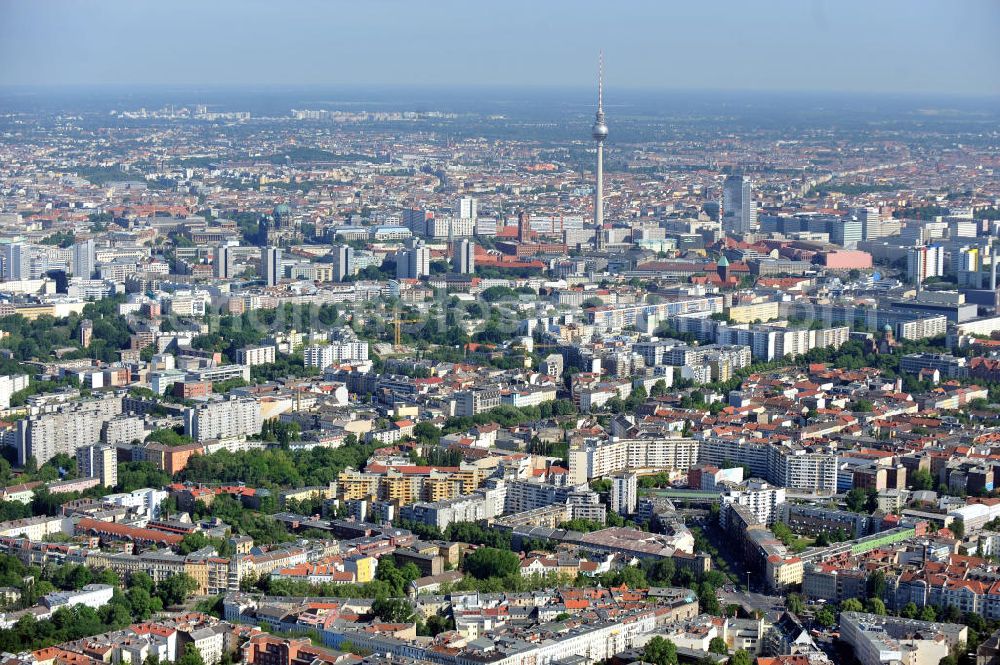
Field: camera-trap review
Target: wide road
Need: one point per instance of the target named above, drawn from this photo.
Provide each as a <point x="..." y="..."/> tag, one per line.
<point x="677" y="493"/>
<point x="753" y="601"/>
<point x="710" y="528"/>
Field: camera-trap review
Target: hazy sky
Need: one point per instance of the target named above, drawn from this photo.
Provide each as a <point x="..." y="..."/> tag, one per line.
<point x="855" y="45"/>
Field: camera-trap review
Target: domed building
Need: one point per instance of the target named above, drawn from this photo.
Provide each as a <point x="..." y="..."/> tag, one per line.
<point x="282" y="216"/>
<point x="881" y="344"/>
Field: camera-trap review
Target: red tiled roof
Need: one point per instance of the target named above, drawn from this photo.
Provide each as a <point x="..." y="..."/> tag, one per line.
<point x="130" y="532"/>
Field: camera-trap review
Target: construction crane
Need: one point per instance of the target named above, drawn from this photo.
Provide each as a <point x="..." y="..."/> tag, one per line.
<point x="397" y="327"/>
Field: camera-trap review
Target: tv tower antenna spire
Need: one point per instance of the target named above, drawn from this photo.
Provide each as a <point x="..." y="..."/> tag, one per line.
<point x="599" y="132"/>
<point x="600" y="83"/>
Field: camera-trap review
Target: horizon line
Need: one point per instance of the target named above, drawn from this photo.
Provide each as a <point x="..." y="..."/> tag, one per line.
<point x="505" y="87"/>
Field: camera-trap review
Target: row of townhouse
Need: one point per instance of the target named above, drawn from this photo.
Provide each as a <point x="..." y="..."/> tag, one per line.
<point x="211" y="572"/>
<point x="942" y="589"/>
<point x="594" y="642"/>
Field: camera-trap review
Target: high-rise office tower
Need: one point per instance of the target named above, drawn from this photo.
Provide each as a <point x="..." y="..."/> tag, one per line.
<point x="84" y="259"/>
<point x="464" y="258"/>
<point x="16" y="261"/>
<point x="871" y="221"/>
<point x="270" y="261"/>
<point x="223" y="262"/>
<point x="413" y="262"/>
<point x="600" y="132"/>
<point x="415" y="219"/>
<point x="419" y="261"/>
<point x="466" y="208"/>
<point x="739" y="211"/>
<point x="975" y="266"/>
<point x="343" y="262"/>
<point x="924" y="262"/>
<point x="845" y="232"/>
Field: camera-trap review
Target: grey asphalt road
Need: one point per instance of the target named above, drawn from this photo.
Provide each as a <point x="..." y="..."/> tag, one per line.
<point x="757" y="601"/>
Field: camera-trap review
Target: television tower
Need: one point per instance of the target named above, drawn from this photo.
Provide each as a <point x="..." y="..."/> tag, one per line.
<point x="599" y="132"/>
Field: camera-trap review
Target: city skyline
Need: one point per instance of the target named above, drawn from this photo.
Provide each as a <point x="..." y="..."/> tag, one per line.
<point x="890" y="47"/>
<point x="441" y="333"/>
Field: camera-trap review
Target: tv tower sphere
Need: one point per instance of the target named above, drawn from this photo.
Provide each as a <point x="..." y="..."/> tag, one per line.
<point x="600" y="130"/>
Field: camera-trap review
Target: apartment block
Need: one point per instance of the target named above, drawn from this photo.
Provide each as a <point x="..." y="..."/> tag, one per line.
<point x="68" y="427"/>
<point x="100" y="461"/>
<point x="255" y="355"/>
<point x="223" y="419"/>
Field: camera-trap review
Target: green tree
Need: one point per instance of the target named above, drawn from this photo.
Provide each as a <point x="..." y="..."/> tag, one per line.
<point x="489" y="562"/>
<point x="106" y="576"/>
<point x="662" y="572"/>
<point x="856" y="500"/>
<point x="741" y="657"/>
<point x="660" y="651"/>
<point x="114" y="614"/>
<point x="176" y="589"/>
<point x="497" y="293"/>
<point x="581" y="525"/>
<point x="470" y="532"/>
<point x="169" y="437"/>
<point x="410" y="572"/>
<point x="388" y="572"/>
<point x="851" y="605"/>
<point x="783" y="533"/>
<point x="135" y="475"/>
<point x="876" y="584"/>
<point x="928" y="614"/>
<point x="826" y="618"/>
<point x="427" y="433"/>
<point x="631" y="576"/>
<point x="191" y="656"/>
<point x="708" y="600"/>
<point x="794" y="604"/>
<point x="636" y="398"/>
<point x="909" y="611"/>
<point x="922" y="480"/>
<point x="140" y="580"/>
<point x="951" y="614"/>
<point x="718" y="645"/>
<point x="393" y="610"/>
<point x="875" y="606"/>
<point x="437" y="624"/>
<point x="193" y="542"/>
